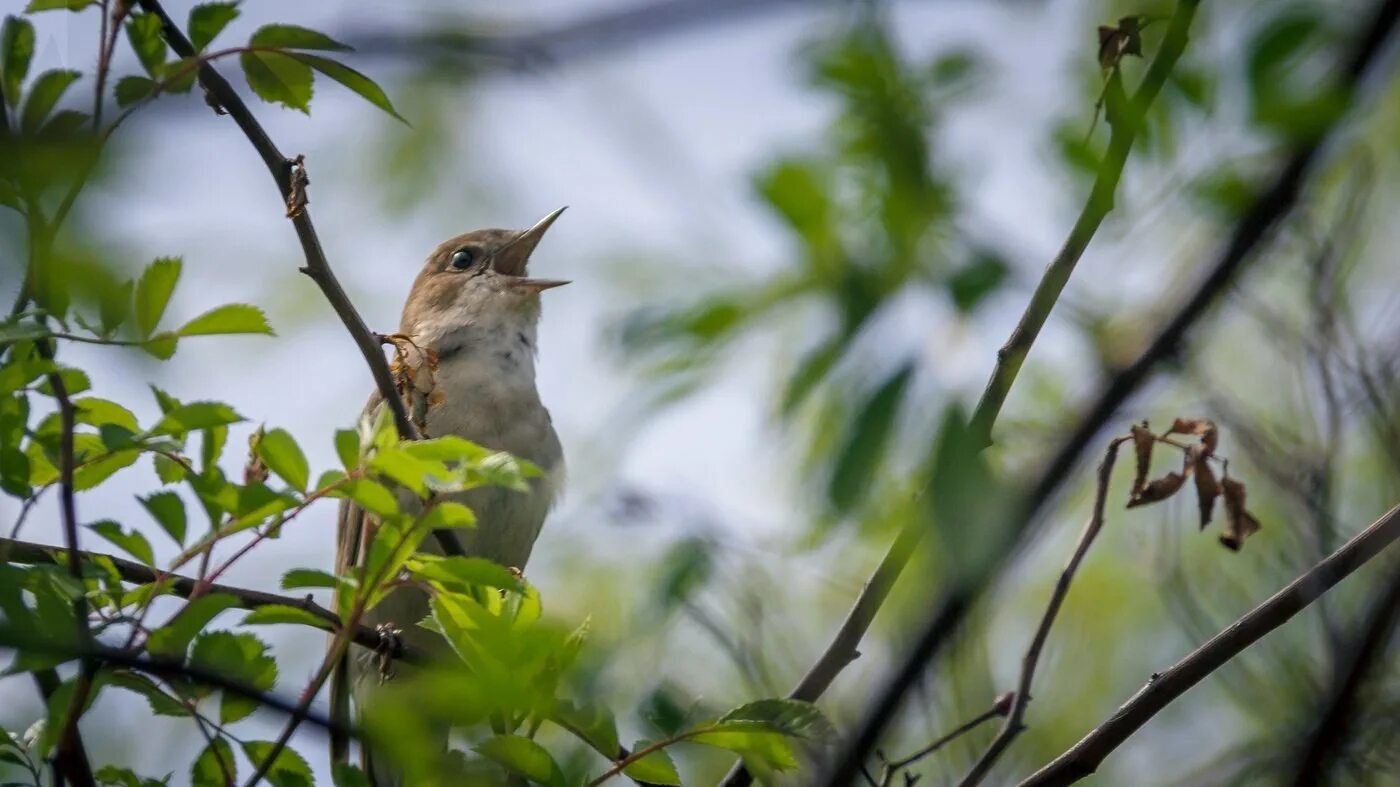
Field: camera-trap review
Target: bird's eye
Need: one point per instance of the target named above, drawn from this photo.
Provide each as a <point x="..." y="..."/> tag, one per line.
<point x="462" y="259"/>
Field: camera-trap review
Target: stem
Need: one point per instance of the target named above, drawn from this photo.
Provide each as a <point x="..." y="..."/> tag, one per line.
<point x="997" y="709"/>
<point x="1084" y="757"/>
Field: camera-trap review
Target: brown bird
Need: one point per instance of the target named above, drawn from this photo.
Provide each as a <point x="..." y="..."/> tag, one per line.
<point x="476" y="307"/>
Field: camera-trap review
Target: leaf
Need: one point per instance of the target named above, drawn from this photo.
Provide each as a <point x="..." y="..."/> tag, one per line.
<point x="288" y="770"/>
<point x="278" y="79"/>
<point x="168" y="470"/>
<point x="232" y="318"/>
<point x="347" y="447"/>
<point x="293" y="37"/>
<point x="215" y="765"/>
<point x="143" y="31"/>
<point x="131" y="89"/>
<point x="208" y="20"/>
<point x="360" y="84"/>
<point x="1239" y="523"/>
<point x="161" y="346"/>
<point x="592" y="723"/>
<point x="463" y="570"/>
<point x="685" y="568"/>
<point x="299" y="578"/>
<point x="446" y="514"/>
<point x="212" y="445"/>
<point x="343" y="774"/>
<point x="1158" y="490"/>
<point x="282" y="613"/>
<point x="1203" y="428"/>
<point x="408" y="470"/>
<point x="522" y="756"/>
<point x="240" y="657"/>
<point x="57" y="5"/>
<point x="131" y="542"/>
<point x="1143" y="443"/>
<point x="655" y="768"/>
<point x="162" y="704"/>
<point x="863" y="451"/>
<point x="793" y="718"/>
<point x="153" y="291"/>
<point x="174" y="638"/>
<point x="178" y="76"/>
<point x="99" y="412"/>
<point x="195" y="415"/>
<point x="970" y="285"/>
<point x="169" y="511"/>
<point x="1207" y="487"/>
<point x="16" y="50"/>
<point x="284" y="457"/>
<point x="372" y="497"/>
<point x="44" y="95"/>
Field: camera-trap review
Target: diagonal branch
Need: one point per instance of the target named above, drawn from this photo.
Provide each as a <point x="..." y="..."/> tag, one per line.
<point x="1084" y="757"/>
<point x="1254" y="227"/>
<point x="317" y="266"/>
<point x="182" y="586"/>
<point x="1015" y="719"/>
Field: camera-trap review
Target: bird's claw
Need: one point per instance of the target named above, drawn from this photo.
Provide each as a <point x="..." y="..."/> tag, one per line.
<point x="390" y="644"/>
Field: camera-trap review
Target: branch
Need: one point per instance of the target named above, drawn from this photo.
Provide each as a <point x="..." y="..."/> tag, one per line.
<point x="1253" y="229"/>
<point x="1084" y="757"/>
<point x="317" y="266"/>
<point x="1014" y="720"/>
<point x="182" y="586"/>
<point x="999" y="708"/>
<point x="843" y="648"/>
<point x="1338" y="719"/>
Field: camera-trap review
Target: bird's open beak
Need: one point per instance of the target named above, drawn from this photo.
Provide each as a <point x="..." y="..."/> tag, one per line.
<point x="518" y="253"/>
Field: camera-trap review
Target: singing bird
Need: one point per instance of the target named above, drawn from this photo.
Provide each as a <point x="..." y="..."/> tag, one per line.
<point x="476" y="307"/>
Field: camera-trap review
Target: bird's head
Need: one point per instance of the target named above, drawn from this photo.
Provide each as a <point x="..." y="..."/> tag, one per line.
<point x="479" y="277"/>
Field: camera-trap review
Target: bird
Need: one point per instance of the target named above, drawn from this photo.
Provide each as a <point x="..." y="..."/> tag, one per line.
<point x="475" y="306"/>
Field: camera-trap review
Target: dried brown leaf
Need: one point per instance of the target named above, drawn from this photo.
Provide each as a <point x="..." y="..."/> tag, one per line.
<point x="1203" y="428"/>
<point x="1115" y="42"/>
<point x="1143" y="441"/>
<point x="1207" y="487"/>
<point x="1158" y="490"/>
<point x="1240" y="524"/>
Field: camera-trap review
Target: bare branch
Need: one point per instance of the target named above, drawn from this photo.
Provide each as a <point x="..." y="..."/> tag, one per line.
<point x="1001" y="707"/>
<point x="1084" y="757"/>
<point x="1254" y="227"/>
<point x="1014" y="720"/>
<point x="13" y="551"/>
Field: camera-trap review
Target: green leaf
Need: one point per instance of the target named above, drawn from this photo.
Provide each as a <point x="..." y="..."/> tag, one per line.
<point x="278" y="79"/>
<point x="162" y="704"/>
<point x="592" y="723"/>
<point x="863" y="451"/>
<point x="343" y="774"/>
<point x="522" y="756"/>
<point x="178" y="76"/>
<point x="208" y="20"/>
<point x="362" y="85"/>
<point x="372" y="497"/>
<point x="462" y="570"/>
<point x="74" y="380"/>
<point x="169" y="511"/>
<point x="284" y="457"/>
<point x="97" y="412"/>
<point x="153" y="291"/>
<point x="161" y="346"/>
<point x="793" y="718"/>
<point x="57" y="5"/>
<point x="299" y="578"/>
<point x="143" y="31"/>
<point x="195" y="415"/>
<point x="228" y="319"/>
<point x="973" y="283"/>
<point x="91" y="473"/>
<point x="174" y="637"/>
<point x="446" y="514"/>
<point x="16" y="50"/>
<point x="347" y="447"/>
<point x="215" y="766"/>
<point x="655" y="768"/>
<point x="288" y="770"/>
<point x="240" y="657"/>
<point x="281" y="613"/>
<point x="294" y="37"/>
<point x="212" y="445"/>
<point x="44" y="95"/>
<point x="168" y="470"/>
<point x="408" y="470"/>
<point x="132" y="542"/>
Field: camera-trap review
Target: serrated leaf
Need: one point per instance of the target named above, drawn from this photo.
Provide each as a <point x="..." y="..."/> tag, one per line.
<point x="299" y="578"/>
<point x="169" y="511"/>
<point x="208" y="20"/>
<point x="215" y="765"/>
<point x="162" y="704"/>
<point x="232" y="318"/>
<point x="153" y="291"/>
<point x="16" y="51"/>
<point x="195" y="415"/>
<point x="143" y="31"/>
<point x="372" y="497"/>
<point x="168" y="470"/>
<point x="281" y="613"/>
<point x="522" y="756"/>
<point x="794" y="718"/>
<point x="174" y="637"/>
<point x="178" y="76"/>
<point x="44" y="95"/>
<point x="284" y="457"/>
<point x="288" y="770"/>
<point x="129" y="541"/>
<point x="278" y="79"/>
<point x="281" y="36"/>
<point x="241" y="657"/>
<point x="592" y="723"/>
<point x="96" y="412"/>
<point x="655" y="768"/>
<point x="211" y="447"/>
<point x="464" y="571"/>
<point x="360" y="84"/>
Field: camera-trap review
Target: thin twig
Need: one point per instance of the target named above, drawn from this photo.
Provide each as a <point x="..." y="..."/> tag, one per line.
<point x="1084" y="757"/>
<point x="999" y="708"/>
<point x="1016" y="717"/>
<point x="1254" y="227"/>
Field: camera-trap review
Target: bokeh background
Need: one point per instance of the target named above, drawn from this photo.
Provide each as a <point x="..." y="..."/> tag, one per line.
<point x="779" y="210"/>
